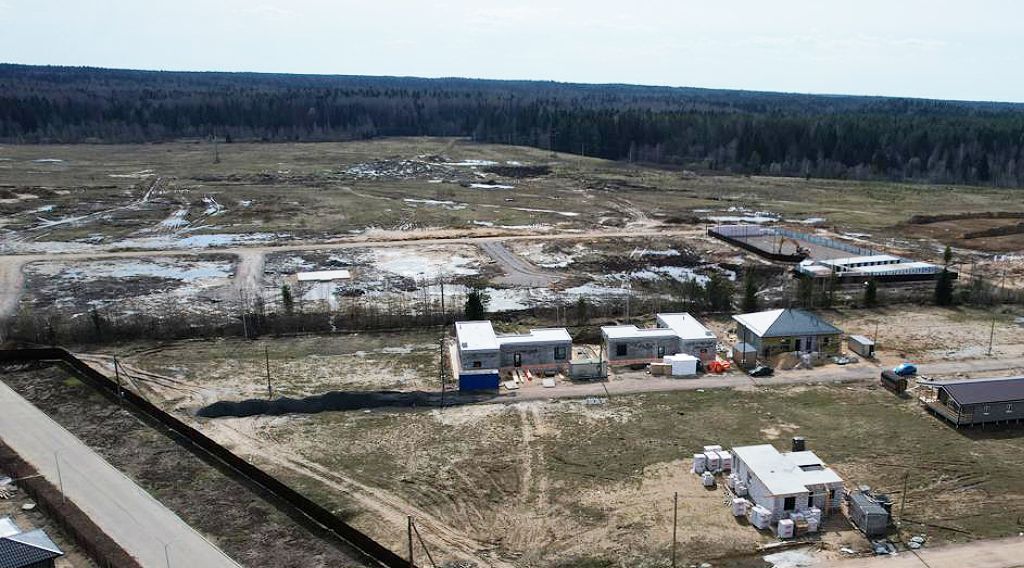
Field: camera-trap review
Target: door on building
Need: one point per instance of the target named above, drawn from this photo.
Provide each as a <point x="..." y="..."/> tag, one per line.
<point x="796" y="346"/>
<point x="517" y="359"/>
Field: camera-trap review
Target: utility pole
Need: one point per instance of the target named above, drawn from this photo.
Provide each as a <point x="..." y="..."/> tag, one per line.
<point x="245" y="327"/>
<point x="266" y="356"/>
<point x="411" y="564"/>
<point x="675" y="523"/>
<point x="60" y="478"/>
<point x="991" y="336"/>
<point x="903" y="498"/>
<point x="441" y="373"/>
<point x="875" y="338"/>
<point x="444" y="314"/>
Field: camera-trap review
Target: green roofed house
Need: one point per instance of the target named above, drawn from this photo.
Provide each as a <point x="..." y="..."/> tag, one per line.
<point x="783" y="331"/>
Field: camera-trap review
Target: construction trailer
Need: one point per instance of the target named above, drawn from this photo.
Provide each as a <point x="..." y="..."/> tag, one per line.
<point x="786" y="483"/>
<point x="482" y="354"/>
<point x="677" y="333"/>
<point x="789" y="330"/>
<point x="968" y="402"/>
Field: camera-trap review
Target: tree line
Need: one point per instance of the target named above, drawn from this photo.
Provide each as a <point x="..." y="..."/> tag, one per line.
<point x="706" y="129"/>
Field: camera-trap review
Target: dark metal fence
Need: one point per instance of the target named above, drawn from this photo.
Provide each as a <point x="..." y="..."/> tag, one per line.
<point x="207" y="448"/>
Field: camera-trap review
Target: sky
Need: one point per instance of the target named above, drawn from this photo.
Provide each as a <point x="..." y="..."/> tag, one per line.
<point x="916" y="48"/>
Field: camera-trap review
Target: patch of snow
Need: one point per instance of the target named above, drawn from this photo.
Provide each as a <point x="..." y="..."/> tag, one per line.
<point x="447" y="204"/>
<point x="471" y="163"/>
<point x="48" y="161"/>
<point x="490" y="186"/>
<point x="212" y="207"/>
<point x="562" y="213"/>
<point x="175" y="220"/>
<point x="407" y="263"/>
<point x="133" y="175"/>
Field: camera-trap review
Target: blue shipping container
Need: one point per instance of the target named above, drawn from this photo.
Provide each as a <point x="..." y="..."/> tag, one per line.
<point x="479" y="381"/>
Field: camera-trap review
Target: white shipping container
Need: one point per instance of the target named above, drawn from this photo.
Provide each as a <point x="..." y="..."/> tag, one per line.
<point x="785" y="528"/>
<point x="700" y="463"/>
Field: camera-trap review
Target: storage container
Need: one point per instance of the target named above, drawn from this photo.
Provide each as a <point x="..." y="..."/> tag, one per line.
<point x="739" y="507"/>
<point x="785" y="528"/>
<point x="725" y="460"/>
<point x="714" y="464"/>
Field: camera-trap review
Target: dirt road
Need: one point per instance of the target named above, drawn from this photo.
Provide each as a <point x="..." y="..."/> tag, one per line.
<point x="1003" y="553"/>
<point x="835" y="374"/>
<point x="518" y="272"/>
<point x="251" y="258"/>
<point x="135" y="520"/>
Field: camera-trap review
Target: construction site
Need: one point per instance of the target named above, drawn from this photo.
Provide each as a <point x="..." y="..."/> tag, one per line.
<point x="327" y="341"/>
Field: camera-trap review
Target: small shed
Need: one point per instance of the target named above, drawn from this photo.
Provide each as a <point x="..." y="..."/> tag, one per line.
<point x="744" y="354"/>
<point x="861" y="346"/>
<point x="870" y="516"/>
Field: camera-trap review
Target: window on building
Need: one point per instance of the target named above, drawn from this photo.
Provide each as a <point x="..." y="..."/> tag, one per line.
<point x="477" y="364"/>
<point x="831" y="495"/>
<point x="985" y="409"/>
<point x="810" y="501"/>
<point x="560" y="353"/>
<point x="621" y="350"/>
<point x="789" y="504"/>
<point x="1009" y="407"/>
<point x="661" y="351"/>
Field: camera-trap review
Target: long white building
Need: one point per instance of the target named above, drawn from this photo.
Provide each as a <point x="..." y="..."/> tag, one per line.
<point x="786" y="482"/>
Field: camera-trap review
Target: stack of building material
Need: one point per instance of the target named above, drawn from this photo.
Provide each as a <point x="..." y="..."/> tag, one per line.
<point x="785" y="529"/>
<point x="725" y="460"/>
<point x="661" y="369"/>
<point x="739" y="507"/>
<point x="741" y="488"/>
<point x="714" y="462"/>
<point x="700" y="463"/>
<point x="800" y="526"/>
<point x="708" y="479"/>
<point x="760" y="517"/>
<point x="813" y="519"/>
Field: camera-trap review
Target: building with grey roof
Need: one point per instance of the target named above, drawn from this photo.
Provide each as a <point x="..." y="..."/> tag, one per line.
<point x="786" y="482"/>
<point x="790" y="330"/>
<point x="976" y="401"/>
<point x="29" y="549"/>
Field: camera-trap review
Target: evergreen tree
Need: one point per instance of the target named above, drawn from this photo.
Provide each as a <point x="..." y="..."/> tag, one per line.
<point x="719" y="292"/>
<point x="582" y="311"/>
<point x="750" y="302"/>
<point x="944" y="288"/>
<point x="871" y="293"/>
<point x="476" y="304"/>
<point x="287" y="301"/>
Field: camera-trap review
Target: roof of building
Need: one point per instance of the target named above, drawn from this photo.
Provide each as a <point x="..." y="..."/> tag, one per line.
<point x="785" y="323"/>
<point x="480" y="336"/>
<point x="785" y="473"/>
<point x="324" y="275"/>
<point x="633" y="332"/>
<point x="863" y="340"/>
<point x="980" y="391"/>
<point x="8" y="527"/>
<point x="545" y="335"/>
<point x="866" y="504"/>
<point x="685" y="326"/>
<point x="863" y="259"/>
<point x="26" y="549"/>
<point x="476" y="336"/>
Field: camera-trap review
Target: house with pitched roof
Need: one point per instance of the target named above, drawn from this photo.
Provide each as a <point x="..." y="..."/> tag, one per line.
<point x="790" y="330"/>
<point x="29" y="549"/>
<point x="965" y="402"/>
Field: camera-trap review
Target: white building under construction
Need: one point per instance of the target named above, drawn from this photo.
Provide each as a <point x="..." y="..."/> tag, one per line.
<point x="786" y="483"/>
<point x="678" y="333"/>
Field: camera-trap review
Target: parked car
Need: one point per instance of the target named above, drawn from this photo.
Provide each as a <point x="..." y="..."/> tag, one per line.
<point x="761" y="371"/>
<point x="905" y="369"/>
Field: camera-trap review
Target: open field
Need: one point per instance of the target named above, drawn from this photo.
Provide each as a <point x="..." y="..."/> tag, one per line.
<point x="564" y="482"/>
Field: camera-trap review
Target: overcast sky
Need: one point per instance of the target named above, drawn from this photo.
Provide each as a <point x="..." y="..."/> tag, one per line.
<point x="921" y="48"/>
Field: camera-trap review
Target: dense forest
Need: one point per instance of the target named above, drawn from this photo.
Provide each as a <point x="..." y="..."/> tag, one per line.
<point x="706" y="129"/>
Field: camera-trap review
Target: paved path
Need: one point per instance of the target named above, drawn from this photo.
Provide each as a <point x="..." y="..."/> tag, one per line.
<point x="1000" y="553"/>
<point x="860" y="372"/>
<point x="119" y="507"/>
